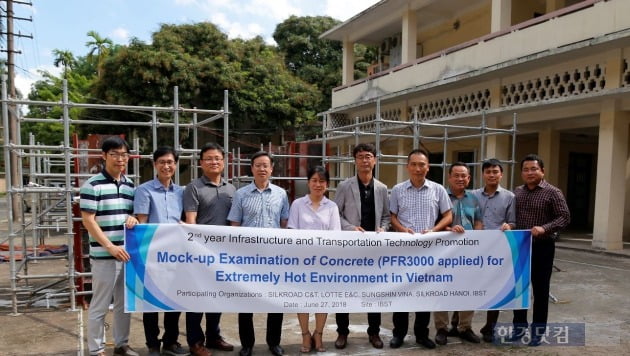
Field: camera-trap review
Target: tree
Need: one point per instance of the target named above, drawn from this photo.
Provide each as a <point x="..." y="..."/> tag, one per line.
<point x="100" y="46"/>
<point x="79" y="75"/>
<point x="65" y="59"/>
<point x="202" y="62"/>
<point x="314" y="60"/>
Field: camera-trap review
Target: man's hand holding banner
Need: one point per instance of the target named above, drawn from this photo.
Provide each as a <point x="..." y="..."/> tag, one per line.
<point x="206" y="268"/>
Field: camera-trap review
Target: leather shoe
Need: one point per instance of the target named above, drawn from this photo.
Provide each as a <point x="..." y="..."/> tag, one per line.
<point x="426" y="342"/>
<point x="376" y="341"/>
<point x="199" y="350"/>
<point x="517" y="334"/>
<point x="245" y="351"/>
<point x="220" y="344"/>
<point x="470" y="336"/>
<point x="396" y="342"/>
<point x="487" y="334"/>
<point x="453" y="331"/>
<point x="535" y="341"/>
<point x="276" y="350"/>
<point x="441" y="337"/>
<point x="341" y="342"/>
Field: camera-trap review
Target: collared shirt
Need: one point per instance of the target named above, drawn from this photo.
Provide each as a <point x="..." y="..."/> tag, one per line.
<point x="368" y="207"/>
<point x="303" y="216"/>
<point x="112" y="202"/>
<point x="255" y="208"/>
<point x="497" y="208"/>
<point x="543" y="206"/>
<point x="466" y="210"/>
<point x="419" y="208"/>
<point x="211" y="202"/>
<point x="160" y="204"/>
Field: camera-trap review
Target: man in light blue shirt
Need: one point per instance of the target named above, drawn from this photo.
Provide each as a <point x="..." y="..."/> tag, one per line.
<point x="260" y="204"/>
<point x="417" y="205"/>
<point x="498" y="209"/>
<point x="159" y="201"/>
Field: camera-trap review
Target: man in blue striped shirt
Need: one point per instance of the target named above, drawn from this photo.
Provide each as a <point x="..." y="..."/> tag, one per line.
<point x="266" y="205"/>
<point x="106" y="207"/>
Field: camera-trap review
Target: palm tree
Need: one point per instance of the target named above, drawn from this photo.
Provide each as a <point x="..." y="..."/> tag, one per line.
<point x="64" y="58"/>
<point x="100" y="46"/>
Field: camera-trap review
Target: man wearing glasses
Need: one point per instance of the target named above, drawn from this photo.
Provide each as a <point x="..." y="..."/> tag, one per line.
<point x="106" y="207"/>
<point x="363" y="206"/>
<point x="266" y="205"/>
<point x="207" y="201"/>
<point x="159" y="201"/>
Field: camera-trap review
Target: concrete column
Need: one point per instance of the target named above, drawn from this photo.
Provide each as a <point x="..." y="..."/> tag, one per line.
<point x="614" y="68"/>
<point x="501" y="15"/>
<point x="612" y="154"/>
<point x="409" y="36"/>
<point x="549" y="151"/>
<point x="347" y="63"/>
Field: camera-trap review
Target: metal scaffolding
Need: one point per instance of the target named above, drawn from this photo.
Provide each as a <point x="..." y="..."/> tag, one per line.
<point x="422" y="132"/>
<point x="49" y="196"/>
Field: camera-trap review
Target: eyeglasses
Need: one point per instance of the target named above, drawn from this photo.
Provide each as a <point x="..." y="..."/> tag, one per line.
<point x="211" y="159"/>
<point x="364" y="157"/>
<point x="166" y="162"/>
<point x="261" y="166"/>
<point x="118" y="155"/>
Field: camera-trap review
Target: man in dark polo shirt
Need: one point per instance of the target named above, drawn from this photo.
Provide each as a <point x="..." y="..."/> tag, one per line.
<point x="363" y="206"/>
<point x="207" y="200"/>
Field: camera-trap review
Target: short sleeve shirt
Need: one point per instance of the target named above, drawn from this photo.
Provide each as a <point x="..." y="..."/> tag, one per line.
<point x="211" y="202"/>
<point x="303" y="216"/>
<point x="466" y="210"/>
<point x="112" y="203"/>
<point x="255" y="208"/>
<point x="419" y="208"/>
<point x="160" y="204"/>
<point x="497" y="208"/>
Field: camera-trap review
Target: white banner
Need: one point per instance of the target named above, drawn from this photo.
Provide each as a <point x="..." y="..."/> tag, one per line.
<point x="206" y="268"/>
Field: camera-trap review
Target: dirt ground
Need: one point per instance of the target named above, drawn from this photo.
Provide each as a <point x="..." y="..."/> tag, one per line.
<point x="591" y="288"/>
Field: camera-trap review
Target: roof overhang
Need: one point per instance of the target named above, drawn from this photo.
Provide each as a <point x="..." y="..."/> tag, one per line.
<point x="383" y="19"/>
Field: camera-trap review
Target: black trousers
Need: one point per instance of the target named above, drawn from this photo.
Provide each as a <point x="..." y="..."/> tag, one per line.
<point x="152" y="330"/>
<point x="194" y="333"/>
<point x="543" y="252"/>
<point x="343" y="321"/>
<point x="420" y="325"/>
<point x="246" y="329"/>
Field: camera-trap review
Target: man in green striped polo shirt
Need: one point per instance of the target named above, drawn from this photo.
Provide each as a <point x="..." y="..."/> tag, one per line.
<point x="106" y="207"/>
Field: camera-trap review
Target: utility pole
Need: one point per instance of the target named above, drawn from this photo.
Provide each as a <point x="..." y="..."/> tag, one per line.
<point x="13" y="124"/>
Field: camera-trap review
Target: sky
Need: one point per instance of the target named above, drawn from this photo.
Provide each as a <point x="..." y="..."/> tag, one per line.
<point x="64" y="24"/>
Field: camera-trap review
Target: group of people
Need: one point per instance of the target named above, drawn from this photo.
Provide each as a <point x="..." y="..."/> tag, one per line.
<point x="362" y="203"/>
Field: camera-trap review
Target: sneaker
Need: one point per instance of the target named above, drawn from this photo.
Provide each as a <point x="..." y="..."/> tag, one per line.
<point x="175" y="349"/>
<point x="154" y="351"/>
<point x="125" y="350"/>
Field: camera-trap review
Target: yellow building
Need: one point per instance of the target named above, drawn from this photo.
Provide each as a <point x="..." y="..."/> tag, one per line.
<point x="560" y="69"/>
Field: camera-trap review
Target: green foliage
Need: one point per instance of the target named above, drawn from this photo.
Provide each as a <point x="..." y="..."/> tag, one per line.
<point x="202" y="62"/>
<point x="50" y="89"/>
<point x="314" y="60"/>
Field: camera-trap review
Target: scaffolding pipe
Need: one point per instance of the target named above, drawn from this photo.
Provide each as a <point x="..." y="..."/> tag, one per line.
<point x="226" y="121"/>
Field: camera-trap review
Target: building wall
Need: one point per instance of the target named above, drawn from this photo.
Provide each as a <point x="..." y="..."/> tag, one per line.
<point x="525" y="10"/>
<point x="454" y="31"/>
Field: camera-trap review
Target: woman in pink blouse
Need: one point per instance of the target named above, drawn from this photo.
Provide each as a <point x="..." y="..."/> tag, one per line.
<point x="314" y="212"/>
